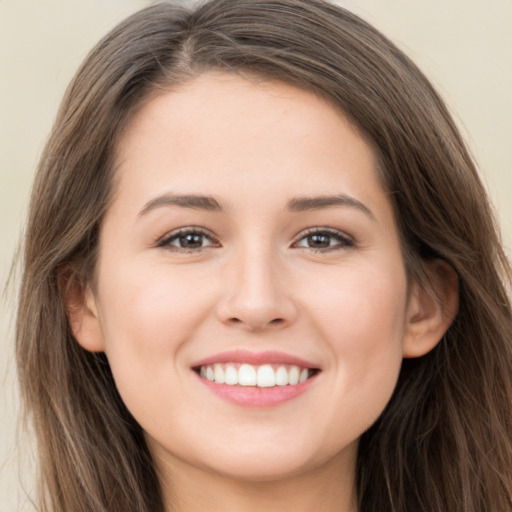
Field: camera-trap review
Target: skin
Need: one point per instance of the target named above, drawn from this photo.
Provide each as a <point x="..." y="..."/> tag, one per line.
<point x="255" y="283"/>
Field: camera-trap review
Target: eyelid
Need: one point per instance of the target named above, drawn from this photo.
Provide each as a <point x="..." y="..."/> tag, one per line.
<point x="164" y="241"/>
<point x="346" y="241"/>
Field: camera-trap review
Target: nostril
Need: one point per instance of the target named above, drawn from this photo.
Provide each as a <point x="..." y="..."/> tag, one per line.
<point x="257" y="325"/>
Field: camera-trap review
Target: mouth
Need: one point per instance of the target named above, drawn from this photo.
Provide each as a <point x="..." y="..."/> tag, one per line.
<point x="249" y="379"/>
<point x="250" y="375"/>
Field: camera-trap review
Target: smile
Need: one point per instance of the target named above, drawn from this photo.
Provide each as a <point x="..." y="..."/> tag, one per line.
<point x="248" y="379"/>
<point x="263" y="376"/>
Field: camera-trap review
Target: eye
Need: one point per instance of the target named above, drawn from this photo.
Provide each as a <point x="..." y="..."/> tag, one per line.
<point x="188" y="240"/>
<point x="324" y="239"/>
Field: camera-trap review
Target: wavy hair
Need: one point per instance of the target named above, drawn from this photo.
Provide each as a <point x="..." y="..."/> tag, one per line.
<point x="444" y="441"/>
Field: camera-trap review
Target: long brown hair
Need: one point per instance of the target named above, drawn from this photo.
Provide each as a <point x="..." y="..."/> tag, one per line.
<point x="444" y="442"/>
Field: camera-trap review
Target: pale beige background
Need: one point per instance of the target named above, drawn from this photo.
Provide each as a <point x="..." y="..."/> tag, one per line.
<point x="464" y="46"/>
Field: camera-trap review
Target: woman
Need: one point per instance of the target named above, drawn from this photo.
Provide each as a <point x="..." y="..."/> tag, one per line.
<point x="261" y="272"/>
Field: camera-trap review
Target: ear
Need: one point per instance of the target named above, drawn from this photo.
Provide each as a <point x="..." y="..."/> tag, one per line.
<point x="432" y="308"/>
<point x="82" y="311"/>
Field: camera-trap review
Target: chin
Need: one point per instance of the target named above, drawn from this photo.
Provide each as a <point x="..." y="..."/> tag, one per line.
<point x="262" y="464"/>
<point x="263" y="469"/>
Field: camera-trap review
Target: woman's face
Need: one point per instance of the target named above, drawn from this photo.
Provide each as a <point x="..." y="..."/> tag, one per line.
<point x="249" y="239"/>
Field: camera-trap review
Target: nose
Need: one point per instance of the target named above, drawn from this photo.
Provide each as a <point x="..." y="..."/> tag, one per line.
<point x="256" y="295"/>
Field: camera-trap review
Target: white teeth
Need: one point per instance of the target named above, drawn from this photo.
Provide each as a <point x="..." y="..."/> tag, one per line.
<point x="293" y="375"/>
<point x="281" y="376"/>
<point x="247" y="375"/>
<point x="218" y="372"/>
<point x="263" y="376"/>
<point x="266" y="377"/>
<point x="231" y="375"/>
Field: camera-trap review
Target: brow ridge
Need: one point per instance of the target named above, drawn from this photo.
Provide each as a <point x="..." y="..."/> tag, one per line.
<point x="297" y="204"/>
<point x="302" y="204"/>
<point x="195" y="202"/>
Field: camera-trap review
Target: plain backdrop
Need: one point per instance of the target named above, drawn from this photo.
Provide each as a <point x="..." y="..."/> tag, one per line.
<point x="464" y="46"/>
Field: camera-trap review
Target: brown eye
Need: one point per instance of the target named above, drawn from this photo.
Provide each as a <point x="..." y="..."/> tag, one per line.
<point x="188" y="240"/>
<point x="322" y="239"/>
<point x="319" y="241"/>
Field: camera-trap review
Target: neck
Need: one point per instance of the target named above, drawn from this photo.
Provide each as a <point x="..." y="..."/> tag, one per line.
<point x="329" y="488"/>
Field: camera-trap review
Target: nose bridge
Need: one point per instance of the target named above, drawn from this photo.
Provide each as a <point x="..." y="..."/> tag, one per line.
<point x="256" y="276"/>
<point x="255" y="295"/>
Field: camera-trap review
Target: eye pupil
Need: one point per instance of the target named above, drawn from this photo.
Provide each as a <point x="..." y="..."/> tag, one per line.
<point x="319" y="240"/>
<point x="191" y="240"/>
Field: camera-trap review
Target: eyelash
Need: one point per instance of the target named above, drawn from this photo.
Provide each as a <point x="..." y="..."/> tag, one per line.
<point x="167" y="240"/>
<point x="343" y="241"/>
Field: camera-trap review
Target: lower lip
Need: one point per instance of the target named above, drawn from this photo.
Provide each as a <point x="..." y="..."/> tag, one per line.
<point x="253" y="396"/>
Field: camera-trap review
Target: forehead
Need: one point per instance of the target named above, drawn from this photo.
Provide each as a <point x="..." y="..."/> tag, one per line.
<point x="244" y="106"/>
<point x="243" y="139"/>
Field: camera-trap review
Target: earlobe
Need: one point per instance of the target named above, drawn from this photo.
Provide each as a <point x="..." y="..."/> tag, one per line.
<point x="82" y="312"/>
<point x="432" y="308"/>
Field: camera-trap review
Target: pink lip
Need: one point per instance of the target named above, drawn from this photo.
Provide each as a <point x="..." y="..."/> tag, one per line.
<point x="252" y="396"/>
<point x="255" y="358"/>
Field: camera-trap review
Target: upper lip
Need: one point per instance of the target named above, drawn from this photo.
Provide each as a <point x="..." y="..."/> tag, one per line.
<point x="256" y="358"/>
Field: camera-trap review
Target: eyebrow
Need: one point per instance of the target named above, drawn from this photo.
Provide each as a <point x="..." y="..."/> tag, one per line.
<point x="195" y="202"/>
<point x="302" y="204"/>
<point x="297" y="204"/>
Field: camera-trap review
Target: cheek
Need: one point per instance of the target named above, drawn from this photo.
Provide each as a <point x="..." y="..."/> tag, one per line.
<point x="150" y="303"/>
<point x="146" y="318"/>
<point x="361" y="310"/>
<point x="362" y="323"/>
